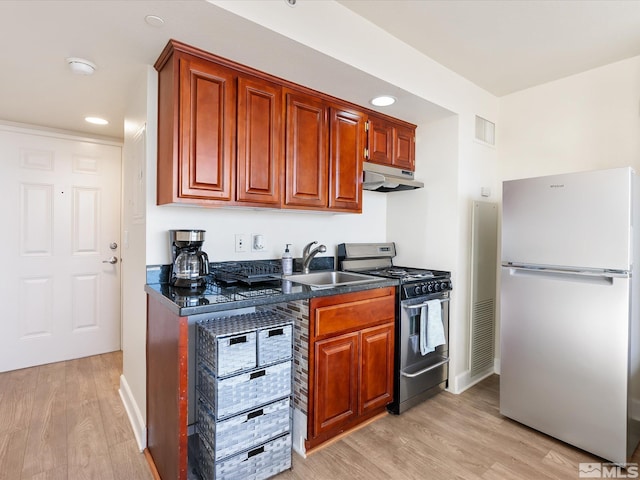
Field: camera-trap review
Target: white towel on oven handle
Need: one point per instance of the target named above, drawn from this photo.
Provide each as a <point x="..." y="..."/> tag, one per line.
<point x="431" y="327"/>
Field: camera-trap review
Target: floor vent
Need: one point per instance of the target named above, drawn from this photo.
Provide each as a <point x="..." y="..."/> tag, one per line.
<point x="484" y="256"/>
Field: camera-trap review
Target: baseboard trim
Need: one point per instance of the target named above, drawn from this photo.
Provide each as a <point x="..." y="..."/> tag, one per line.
<point x="152" y="464"/>
<point x="464" y="381"/>
<point x="133" y="412"/>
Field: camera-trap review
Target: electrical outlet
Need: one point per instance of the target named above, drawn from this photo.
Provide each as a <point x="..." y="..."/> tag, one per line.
<point x="257" y="242"/>
<point x="242" y="242"/>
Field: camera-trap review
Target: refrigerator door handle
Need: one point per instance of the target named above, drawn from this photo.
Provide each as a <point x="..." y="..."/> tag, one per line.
<point x="602" y="277"/>
<point x="569" y="271"/>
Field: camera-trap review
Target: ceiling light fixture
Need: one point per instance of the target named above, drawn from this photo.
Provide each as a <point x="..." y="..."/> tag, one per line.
<point x="80" y="66"/>
<point x="96" y="120"/>
<point x="154" y="20"/>
<point x="383" y="101"/>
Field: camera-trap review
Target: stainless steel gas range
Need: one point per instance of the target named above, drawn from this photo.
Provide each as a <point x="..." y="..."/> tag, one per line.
<point x="422" y="320"/>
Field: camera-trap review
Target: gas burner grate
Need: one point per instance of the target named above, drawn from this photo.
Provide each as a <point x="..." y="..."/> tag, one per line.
<point x="398" y="272"/>
<point x="247" y="272"/>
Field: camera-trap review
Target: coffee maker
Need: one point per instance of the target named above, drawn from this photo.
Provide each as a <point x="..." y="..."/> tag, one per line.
<point x="190" y="265"/>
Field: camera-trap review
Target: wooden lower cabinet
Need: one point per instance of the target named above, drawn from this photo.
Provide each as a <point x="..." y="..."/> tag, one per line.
<point x="336" y="385"/>
<point x="167" y="379"/>
<point x="376" y="368"/>
<point x="351" y="360"/>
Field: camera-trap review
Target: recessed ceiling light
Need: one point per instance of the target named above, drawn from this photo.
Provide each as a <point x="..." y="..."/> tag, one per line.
<point x="96" y="120"/>
<point x="154" y="20"/>
<point x="80" y="66"/>
<point x="383" y="101"/>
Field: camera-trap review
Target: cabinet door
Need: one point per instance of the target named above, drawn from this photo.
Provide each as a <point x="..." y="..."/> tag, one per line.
<point x="259" y="141"/>
<point x="404" y="148"/>
<point x="335" y="387"/>
<point x="380" y="141"/>
<point x="347" y="143"/>
<point x="306" y="152"/>
<point x="376" y="368"/>
<point x="207" y="130"/>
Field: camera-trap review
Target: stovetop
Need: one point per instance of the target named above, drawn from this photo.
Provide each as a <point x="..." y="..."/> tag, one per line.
<point x="407" y="274"/>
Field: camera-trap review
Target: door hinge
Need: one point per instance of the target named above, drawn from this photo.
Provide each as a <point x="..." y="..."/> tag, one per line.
<point x="366" y="153"/>
<point x="366" y="126"/>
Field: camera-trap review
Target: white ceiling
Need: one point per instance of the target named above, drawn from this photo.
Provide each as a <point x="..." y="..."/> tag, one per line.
<point x="502" y="46"/>
<point x="505" y="46"/>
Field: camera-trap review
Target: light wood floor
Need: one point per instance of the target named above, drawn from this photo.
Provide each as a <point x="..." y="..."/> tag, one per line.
<point x="447" y="437"/>
<point x="66" y="421"/>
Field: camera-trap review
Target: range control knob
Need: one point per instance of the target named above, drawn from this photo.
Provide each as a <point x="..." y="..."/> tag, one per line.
<point x="443" y="285"/>
<point x="437" y="287"/>
<point x="417" y="290"/>
<point x="430" y="288"/>
<point x="424" y="289"/>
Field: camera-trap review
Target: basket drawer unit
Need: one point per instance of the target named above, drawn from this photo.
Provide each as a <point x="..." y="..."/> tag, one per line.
<point x="244" y="431"/>
<point x="274" y="344"/>
<point x="243" y="410"/>
<point x="231" y="395"/>
<point x="257" y="463"/>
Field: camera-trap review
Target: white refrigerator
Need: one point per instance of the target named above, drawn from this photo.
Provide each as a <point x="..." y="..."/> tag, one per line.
<point x="570" y="318"/>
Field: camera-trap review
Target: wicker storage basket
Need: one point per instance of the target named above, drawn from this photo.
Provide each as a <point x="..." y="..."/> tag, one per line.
<point x="274" y="344"/>
<point x="258" y="463"/>
<point x="232" y="395"/>
<point x="244" y="431"/>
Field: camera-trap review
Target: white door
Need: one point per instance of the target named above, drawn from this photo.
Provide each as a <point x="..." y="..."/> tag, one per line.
<point x="60" y="224"/>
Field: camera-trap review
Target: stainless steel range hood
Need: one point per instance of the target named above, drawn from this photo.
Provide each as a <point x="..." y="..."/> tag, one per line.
<point x="381" y="178"/>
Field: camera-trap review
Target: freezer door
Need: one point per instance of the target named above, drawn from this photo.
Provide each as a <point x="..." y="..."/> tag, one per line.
<point x="579" y="220"/>
<point x="564" y="357"/>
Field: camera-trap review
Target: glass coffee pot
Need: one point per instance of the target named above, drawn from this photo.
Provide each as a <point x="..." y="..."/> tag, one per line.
<point x="190" y="265"/>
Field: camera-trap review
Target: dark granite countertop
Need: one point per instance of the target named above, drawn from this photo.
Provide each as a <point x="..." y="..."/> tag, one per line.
<point x="218" y="296"/>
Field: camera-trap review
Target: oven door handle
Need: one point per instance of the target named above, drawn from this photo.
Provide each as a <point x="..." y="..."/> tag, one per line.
<point x="420" y="305"/>
<point x="425" y="370"/>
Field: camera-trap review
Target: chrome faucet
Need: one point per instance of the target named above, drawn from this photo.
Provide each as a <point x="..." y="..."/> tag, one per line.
<point x="308" y="255"/>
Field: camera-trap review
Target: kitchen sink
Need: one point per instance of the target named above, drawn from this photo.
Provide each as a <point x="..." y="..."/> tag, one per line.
<point x="327" y="279"/>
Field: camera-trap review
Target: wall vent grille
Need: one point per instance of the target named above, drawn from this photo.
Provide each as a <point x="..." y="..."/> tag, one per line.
<point x="483" y="336"/>
<point x="485" y="131"/>
<point x="484" y="257"/>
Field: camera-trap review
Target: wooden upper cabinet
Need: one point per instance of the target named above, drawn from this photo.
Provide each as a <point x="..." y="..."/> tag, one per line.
<point x="380" y="142"/>
<point x="231" y="135"/>
<point x="391" y="143"/>
<point x="347" y="144"/>
<point x="404" y="148"/>
<point x="260" y="157"/>
<point x="196" y="130"/>
<point x="306" y="157"/>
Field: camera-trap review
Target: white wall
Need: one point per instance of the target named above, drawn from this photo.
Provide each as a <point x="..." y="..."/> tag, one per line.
<point x="584" y="122"/>
<point x="139" y="145"/>
<point x="278" y="227"/>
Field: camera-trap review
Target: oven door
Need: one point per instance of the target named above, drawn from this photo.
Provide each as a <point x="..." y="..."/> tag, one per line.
<point x="419" y="375"/>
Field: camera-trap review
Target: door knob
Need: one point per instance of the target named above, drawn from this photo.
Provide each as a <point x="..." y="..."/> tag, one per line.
<point x="112" y="260"/>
